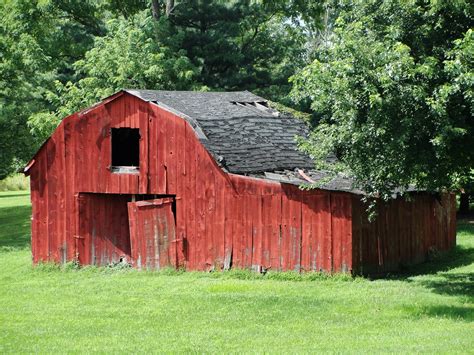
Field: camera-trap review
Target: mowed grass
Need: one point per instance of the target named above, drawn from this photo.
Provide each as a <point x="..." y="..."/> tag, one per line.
<point x="51" y="309"/>
<point x="15" y="212"/>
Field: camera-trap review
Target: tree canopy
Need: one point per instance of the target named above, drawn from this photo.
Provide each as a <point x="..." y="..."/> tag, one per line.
<point x="39" y="42"/>
<point x="389" y="84"/>
<point x="392" y="90"/>
<point x="61" y="56"/>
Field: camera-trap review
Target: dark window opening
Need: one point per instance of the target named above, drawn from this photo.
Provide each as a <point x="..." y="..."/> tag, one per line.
<point x="125" y="149"/>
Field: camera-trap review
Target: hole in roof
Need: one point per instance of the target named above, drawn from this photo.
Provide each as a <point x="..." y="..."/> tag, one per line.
<point x="259" y="105"/>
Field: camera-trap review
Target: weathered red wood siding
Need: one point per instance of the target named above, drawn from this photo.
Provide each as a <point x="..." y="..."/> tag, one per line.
<point x="152" y="234"/>
<point x="222" y="220"/>
<point x="403" y="233"/>
<point x="49" y="202"/>
<point x="103" y="236"/>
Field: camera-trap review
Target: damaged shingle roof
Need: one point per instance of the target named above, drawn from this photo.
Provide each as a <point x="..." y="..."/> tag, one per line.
<point x="243" y="138"/>
<point x="243" y="134"/>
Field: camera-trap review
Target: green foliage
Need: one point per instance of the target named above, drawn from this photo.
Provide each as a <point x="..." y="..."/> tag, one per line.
<point x="291" y="111"/>
<point x="240" y="44"/>
<point x="15" y="182"/>
<point x="62" y="56"/>
<point x="393" y="89"/>
<point x="129" y="56"/>
<point x="39" y="41"/>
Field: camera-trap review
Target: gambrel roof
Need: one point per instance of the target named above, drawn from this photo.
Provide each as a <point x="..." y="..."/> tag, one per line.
<point x="238" y="128"/>
<point x="245" y="135"/>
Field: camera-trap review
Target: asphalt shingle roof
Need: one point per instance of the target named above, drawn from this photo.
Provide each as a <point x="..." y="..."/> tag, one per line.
<point x="244" y="136"/>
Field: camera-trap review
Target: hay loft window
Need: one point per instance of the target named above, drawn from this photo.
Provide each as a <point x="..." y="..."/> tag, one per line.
<point x="125" y="150"/>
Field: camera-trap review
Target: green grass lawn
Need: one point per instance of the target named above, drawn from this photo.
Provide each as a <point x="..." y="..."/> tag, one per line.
<point x="47" y="309"/>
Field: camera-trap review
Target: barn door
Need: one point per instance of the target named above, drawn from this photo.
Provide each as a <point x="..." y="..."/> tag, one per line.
<point x="152" y="233"/>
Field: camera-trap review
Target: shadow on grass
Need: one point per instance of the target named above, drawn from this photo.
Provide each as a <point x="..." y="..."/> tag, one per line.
<point x="464" y="313"/>
<point x="441" y="275"/>
<point x="15" y="227"/>
<point x="456" y="312"/>
<point x="460" y="256"/>
<point x="453" y="284"/>
<point x="12" y="195"/>
<point x="447" y="275"/>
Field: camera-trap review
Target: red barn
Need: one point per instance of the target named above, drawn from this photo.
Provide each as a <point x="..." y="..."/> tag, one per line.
<point x="209" y="181"/>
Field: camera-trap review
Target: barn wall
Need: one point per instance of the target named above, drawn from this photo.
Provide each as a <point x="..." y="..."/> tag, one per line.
<point x="222" y="220"/>
<point x="226" y="220"/>
<point x="76" y="159"/>
<point x="403" y="233"/>
<point x="49" y="200"/>
<point x="89" y="145"/>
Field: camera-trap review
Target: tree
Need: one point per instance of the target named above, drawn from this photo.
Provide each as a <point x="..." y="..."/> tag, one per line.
<point x="39" y="42"/>
<point x="186" y="45"/>
<point x="61" y="56"/>
<point x="129" y="56"/>
<point x="393" y="94"/>
<point x="241" y="44"/>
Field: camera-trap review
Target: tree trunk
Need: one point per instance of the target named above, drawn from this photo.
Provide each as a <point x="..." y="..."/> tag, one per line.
<point x="464" y="203"/>
<point x="169" y="7"/>
<point x="155" y="9"/>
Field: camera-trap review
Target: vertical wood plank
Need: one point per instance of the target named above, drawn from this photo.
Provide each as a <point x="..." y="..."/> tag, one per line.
<point x="201" y="211"/>
<point x="341" y="216"/>
<point x="191" y="196"/>
<point x="144" y="143"/>
<point x="171" y="157"/>
<point x="257" y="233"/>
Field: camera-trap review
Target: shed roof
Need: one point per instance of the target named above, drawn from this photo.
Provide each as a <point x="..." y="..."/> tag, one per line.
<point x="244" y="134"/>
